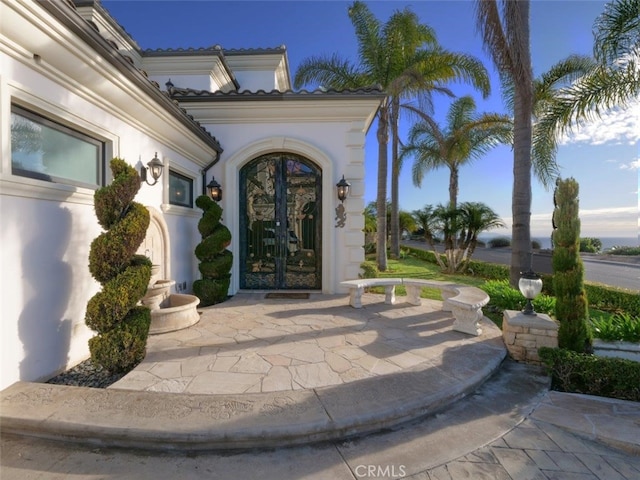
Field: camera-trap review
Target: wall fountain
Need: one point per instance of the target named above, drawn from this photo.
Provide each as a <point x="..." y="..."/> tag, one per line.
<point x="169" y="311"/>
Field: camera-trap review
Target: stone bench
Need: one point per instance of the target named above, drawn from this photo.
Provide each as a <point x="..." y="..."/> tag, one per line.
<point x="463" y="301"/>
<point x="356" y="289"/>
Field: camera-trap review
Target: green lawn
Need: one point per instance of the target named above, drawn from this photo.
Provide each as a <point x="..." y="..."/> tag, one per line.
<point x="412" y="267"/>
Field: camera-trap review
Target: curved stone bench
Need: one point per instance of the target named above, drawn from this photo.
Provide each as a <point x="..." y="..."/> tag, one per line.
<point x="465" y="302"/>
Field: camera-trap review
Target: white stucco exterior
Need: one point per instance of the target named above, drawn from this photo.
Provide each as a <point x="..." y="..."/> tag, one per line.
<point x="52" y="62"/>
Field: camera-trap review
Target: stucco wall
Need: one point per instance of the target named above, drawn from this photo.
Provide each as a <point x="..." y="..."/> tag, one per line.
<point x="46" y="228"/>
<point x="337" y="148"/>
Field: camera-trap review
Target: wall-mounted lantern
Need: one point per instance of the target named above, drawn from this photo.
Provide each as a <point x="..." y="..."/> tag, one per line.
<point x="215" y="190"/>
<point x="343" y="189"/>
<point x="155" y="167"/>
<point x="530" y="285"/>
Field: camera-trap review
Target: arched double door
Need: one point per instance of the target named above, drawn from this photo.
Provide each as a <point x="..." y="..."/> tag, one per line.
<point x="280" y="223"/>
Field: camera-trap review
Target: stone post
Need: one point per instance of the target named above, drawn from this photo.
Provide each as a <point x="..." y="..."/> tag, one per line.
<point x="524" y="334"/>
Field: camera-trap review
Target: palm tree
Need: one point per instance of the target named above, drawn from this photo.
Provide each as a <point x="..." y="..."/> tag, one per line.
<point x="466" y="137"/>
<point x="613" y="81"/>
<point x="505" y="34"/>
<point x="370" y="217"/>
<point x="400" y="56"/>
<point x="459" y="227"/>
<point x="437" y="68"/>
<point x="427" y="221"/>
<point x="546" y="89"/>
<point x="478" y="217"/>
<point x="406" y="221"/>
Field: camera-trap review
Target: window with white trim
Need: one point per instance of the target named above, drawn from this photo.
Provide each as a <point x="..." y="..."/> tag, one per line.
<point x="46" y="150"/>
<point x="180" y="190"/>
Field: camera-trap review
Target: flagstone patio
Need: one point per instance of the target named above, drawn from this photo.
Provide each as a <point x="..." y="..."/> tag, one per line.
<point x="251" y="344"/>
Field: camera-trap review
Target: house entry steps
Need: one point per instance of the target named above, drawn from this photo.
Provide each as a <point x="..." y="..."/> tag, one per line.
<point x="256" y="374"/>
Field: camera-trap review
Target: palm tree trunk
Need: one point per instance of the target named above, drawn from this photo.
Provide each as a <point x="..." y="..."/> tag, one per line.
<point x="521" y="196"/>
<point x="381" y="200"/>
<point x="453" y="188"/>
<point x="395" y="173"/>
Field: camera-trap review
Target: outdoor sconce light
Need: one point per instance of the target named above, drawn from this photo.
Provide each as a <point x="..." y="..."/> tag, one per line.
<point x="155" y="166"/>
<point x="343" y="189"/>
<point x="530" y="285"/>
<point x="215" y="190"/>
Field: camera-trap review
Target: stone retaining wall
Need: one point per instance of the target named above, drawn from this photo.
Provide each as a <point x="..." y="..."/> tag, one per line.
<point x="524" y="334"/>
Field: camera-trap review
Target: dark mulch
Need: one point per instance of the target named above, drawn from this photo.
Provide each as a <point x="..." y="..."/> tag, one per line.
<point x="86" y="374"/>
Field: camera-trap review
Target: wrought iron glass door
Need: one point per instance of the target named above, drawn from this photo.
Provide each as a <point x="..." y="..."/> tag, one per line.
<point x="280" y="223"/>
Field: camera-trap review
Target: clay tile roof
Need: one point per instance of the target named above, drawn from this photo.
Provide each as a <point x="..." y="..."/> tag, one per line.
<point x="184" y="94"/>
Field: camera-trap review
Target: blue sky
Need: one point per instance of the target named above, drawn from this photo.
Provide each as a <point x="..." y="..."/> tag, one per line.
<point x="603" y="156"/>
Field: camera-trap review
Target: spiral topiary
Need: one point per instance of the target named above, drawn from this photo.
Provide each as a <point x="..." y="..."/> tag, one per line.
<point x="215" y="260"/>
<point x="568" y="271"/>
<point x="122" y="326"/>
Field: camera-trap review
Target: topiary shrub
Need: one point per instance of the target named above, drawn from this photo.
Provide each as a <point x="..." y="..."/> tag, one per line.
<point x="215" y="260"/>
<point x="122" y="326"/>
<point x="568" y="272"/>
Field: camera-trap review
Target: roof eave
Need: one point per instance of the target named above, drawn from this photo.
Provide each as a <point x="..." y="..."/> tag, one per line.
<point x="66" y="14"/>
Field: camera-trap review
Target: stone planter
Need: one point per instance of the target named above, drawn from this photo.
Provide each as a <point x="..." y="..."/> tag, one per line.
<point x="628" y="350"/>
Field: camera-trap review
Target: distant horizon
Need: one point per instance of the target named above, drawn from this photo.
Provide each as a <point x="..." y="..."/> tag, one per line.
<point x="545" y="242"/>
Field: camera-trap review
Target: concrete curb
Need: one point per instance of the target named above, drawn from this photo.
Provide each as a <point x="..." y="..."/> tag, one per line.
<point x="169" y="421"/>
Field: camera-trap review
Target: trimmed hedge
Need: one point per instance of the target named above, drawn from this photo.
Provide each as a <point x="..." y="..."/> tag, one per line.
<point x="592" y="375"/>
<point x="215" y="260"/>
<point x="122" y="348"/>
<point x="503" y="296"/>
<point x="572" y="307"/>
<point x="122" y="327"/>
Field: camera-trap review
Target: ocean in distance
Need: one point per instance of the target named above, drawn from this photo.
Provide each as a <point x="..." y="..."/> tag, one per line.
<point x="607" y="242"/>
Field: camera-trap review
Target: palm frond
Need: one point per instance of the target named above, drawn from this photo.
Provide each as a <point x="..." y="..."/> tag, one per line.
<point x="617" y="30"/>
<point x="368" y="35"/>
<point x="600" y="90"/>
<point x="562" y="74"/>
<point x="330" y="72"/>
<point x="439" y="66"/>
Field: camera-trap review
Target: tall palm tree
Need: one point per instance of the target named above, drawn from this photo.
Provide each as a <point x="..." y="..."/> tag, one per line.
<point x="437" y="68"/>
<point x="504" y="26"/>
<point x="401" y="56"/>
<point x="466" y="137"/>
<point x="613" y="81"/>
<point x="546" y="89"/>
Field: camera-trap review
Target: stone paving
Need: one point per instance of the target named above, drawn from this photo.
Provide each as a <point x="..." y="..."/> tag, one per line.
<point x="509" y="428"/>
<point x="250" y="344"/>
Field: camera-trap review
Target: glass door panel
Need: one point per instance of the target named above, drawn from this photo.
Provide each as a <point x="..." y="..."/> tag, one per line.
<point x="280" y="223"/>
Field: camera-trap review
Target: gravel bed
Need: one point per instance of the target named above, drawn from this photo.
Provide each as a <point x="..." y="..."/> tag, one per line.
<point x="86" y="374"/>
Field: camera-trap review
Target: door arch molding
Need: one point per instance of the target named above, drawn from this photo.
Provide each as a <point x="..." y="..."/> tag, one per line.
<point x="231" y="202"/>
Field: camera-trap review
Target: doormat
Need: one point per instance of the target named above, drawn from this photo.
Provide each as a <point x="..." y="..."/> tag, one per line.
<point x="287" y="295"/>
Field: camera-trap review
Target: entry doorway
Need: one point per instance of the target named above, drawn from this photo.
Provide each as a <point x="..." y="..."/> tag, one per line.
<point x="280" y="223"/>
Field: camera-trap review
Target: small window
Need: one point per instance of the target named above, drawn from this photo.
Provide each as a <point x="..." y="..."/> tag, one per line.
<point x="43" y="149"/>
<point x="180" y="190"/>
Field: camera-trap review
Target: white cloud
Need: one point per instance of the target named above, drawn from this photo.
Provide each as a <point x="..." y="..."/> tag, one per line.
<point x="618" y="126"/>
<point x="635" y="165"/>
